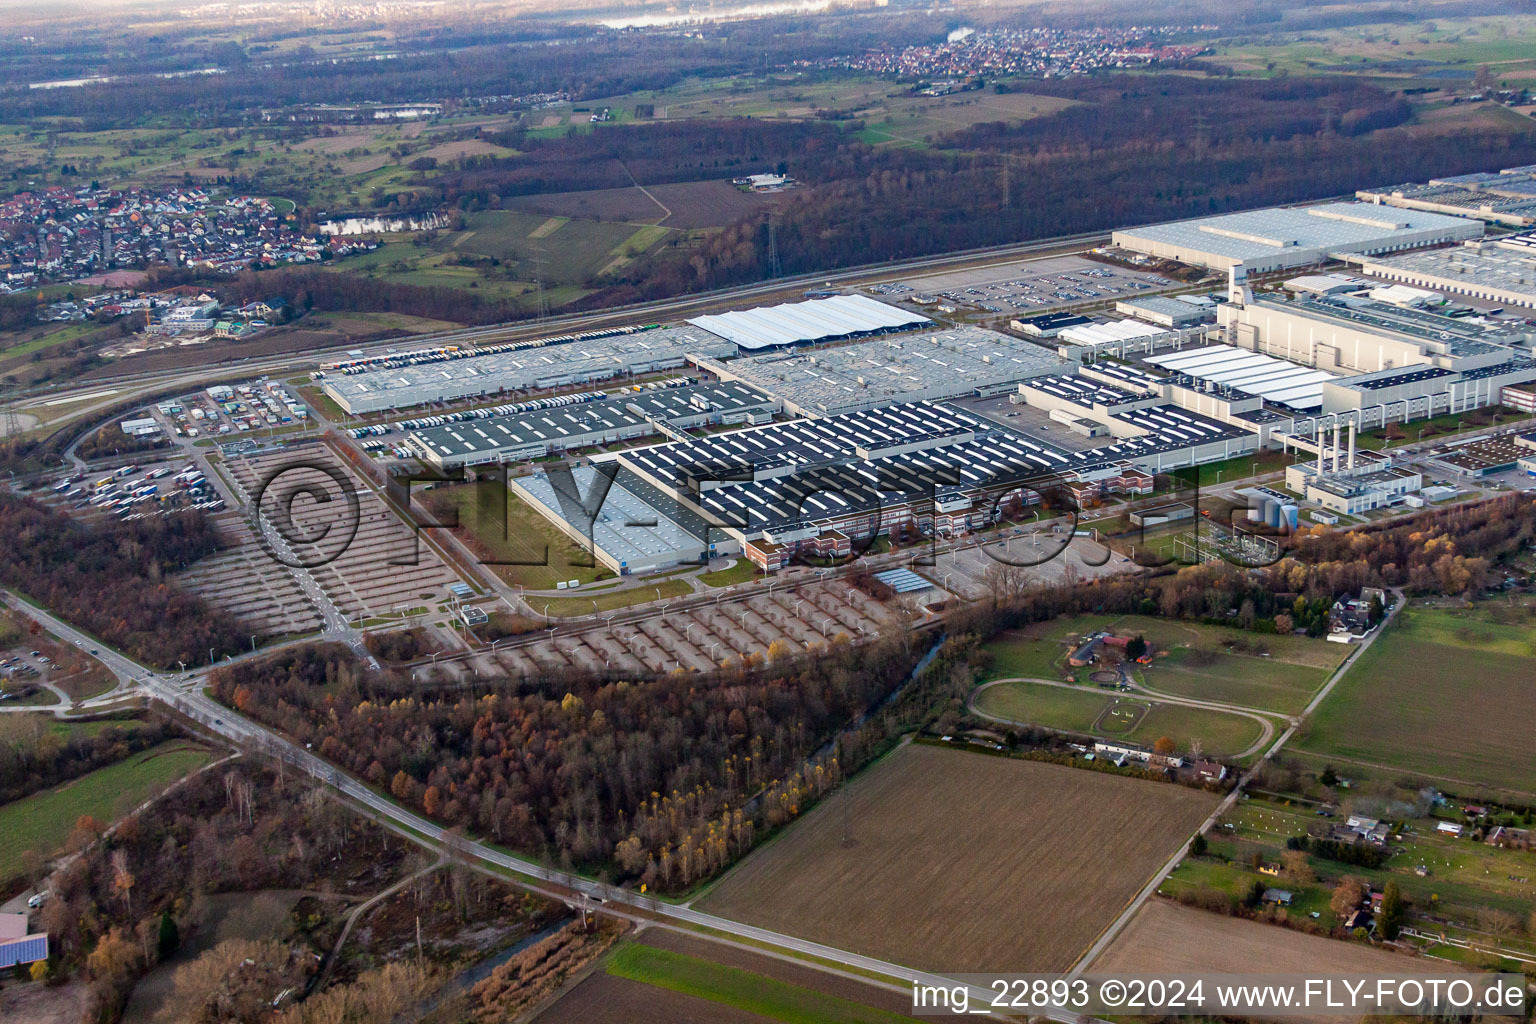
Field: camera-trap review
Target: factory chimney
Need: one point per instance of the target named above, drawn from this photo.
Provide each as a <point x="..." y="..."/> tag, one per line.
<point x="1338" y="443"/>
<point x="1322" y="446"/>
<point x="1351" y="444"/>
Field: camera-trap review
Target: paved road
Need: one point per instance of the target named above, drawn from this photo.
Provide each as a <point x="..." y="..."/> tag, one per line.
<point x="662" y="309"/>
<point x="185" y="695"/>
<point x="1112" y="932"/>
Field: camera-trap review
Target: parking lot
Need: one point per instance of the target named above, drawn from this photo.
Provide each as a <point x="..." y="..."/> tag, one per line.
<point x="366" y="560"/>
<point x="154" y="483"/>
<point x="786" y="621"/>
<point x="969" y="572"/>
<point x="224" y="411"/>
<point x="1027" y="287"/>
<point x="245" y="581"/>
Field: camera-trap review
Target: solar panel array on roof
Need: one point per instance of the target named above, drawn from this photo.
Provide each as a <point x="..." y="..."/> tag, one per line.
<point x="800" y="443"/>
<point x="25" y="950"/>
<point x="903" y="581"/>
<point x="1274" y="380"/>
<point x="796" y="323"/>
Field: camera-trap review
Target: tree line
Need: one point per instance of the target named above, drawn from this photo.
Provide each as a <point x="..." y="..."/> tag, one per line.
<point x="113" y="580"/>
<point x="1132" y="151"/>
<point x="33" y="757"/>
<point x="663" y="778"/>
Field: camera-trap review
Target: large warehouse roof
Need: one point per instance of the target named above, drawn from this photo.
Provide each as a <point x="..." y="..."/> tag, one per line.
<point x="1274" y="380"/>
<point x="794" y="323"/>
<point x="1287" y="237"/>
<point x="551" y="366"/>
<point x="923" y="366"/>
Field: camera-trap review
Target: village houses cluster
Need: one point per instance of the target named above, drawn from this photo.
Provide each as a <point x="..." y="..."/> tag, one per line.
<point x="63" y="234"/>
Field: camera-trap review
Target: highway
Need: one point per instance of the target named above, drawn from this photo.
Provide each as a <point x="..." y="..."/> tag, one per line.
<point x="125" y="386"/>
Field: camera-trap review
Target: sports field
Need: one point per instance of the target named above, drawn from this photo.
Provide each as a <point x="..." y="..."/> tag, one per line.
<point x="1445" y="694"/>
<point x="43" y="821"/>
<point x="1116" y="716"/>
<point x="953" y="861"/>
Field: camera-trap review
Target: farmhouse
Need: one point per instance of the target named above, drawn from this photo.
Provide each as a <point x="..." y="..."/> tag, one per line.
<point x="1124" y="753"/>
<point x="1087" y="652"/>
<point x="1449" y="828"/>
<point x="1277" y="897"/>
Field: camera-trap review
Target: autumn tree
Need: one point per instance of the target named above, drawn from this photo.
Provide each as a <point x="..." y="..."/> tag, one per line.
<point x="1348" y="895"/>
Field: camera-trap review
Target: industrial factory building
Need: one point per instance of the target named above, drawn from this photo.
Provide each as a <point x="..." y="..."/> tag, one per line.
<point x="1498" y="269"/>
<point x="1346" y="480"/>
<point x="922" y="366"/>
<point x="803" y="323"/>
<point x="1505" y="197"/>
<point x="535" y="434"/>
<point x="813" y="486"/>
<point x="522" y="369"/>
<point x="1386" y="362"/>
<point x="1283" y="237"/>
<point x="1179" y="311"/>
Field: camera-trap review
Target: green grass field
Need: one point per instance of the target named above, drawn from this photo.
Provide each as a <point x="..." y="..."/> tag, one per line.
<point x="609" y="600"/>
<point x="1055" y="707"/>
<point x="44" y="820"/>
<point x="1094" y="712"/>
<point x="1444" y="694"/>
<point x="1267" y="684"/>
<point x="742" y="572"/>
<point x="1260" y="671"/>
<point x="744" y="990"/>
<point x="502" y="528"/>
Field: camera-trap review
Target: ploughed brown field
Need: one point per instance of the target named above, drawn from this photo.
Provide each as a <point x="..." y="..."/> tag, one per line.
<point x="960" y="862"/>
<point x="693" y="204"/>
<point x="1167" y="938"/>
<point x="606" y="999"/>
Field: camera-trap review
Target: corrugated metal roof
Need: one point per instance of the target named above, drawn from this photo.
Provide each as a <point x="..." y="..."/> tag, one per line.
<point x="795" y="323"/>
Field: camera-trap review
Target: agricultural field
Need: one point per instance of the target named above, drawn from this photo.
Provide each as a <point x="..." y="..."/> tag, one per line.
<point x="44" y="820"/>
<point x="893" y="115"/>
<point x="678" y="979"/>
<point x="685" y="205"/>
<point x="1213" y="663"/>
<point x="952" y="861"/>
<point x="1166" y="938"/>
<point x="1391" y="50"/>
<point x="1093" y="712"/>
<point x="1447" y="694"/>
<point x="506" y="253"/>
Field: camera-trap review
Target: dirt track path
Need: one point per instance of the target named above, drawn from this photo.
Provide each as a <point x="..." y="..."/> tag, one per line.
<point x="1266" y="726"/>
